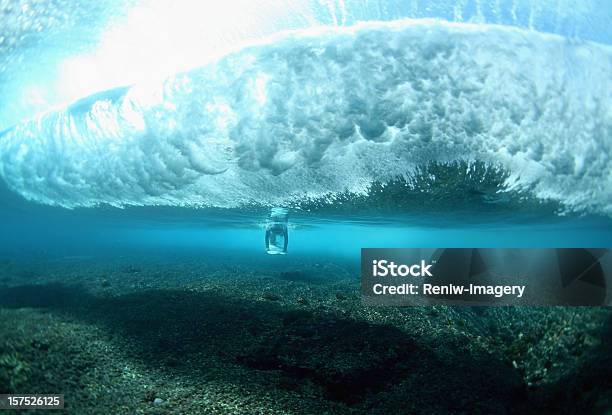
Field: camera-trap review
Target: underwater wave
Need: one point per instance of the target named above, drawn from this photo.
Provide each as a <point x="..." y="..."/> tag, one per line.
<point x="323" y="113"/>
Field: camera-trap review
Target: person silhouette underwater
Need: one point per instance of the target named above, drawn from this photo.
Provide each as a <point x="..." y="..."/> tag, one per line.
<point x="277" y="235"/>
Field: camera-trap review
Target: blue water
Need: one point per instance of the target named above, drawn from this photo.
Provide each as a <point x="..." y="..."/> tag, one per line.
<point x="234" y="236"/>
<point x="488" y="126"/>
<point x="145" y="143"/>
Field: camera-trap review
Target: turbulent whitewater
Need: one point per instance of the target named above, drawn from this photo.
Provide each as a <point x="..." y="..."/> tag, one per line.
<point x="321" y="112"/>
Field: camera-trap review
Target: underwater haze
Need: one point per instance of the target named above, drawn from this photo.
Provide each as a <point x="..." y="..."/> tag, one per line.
<point x="145" y="143"/>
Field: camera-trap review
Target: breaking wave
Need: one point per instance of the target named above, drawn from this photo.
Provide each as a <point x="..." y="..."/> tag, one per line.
<point x="323" y="113"/>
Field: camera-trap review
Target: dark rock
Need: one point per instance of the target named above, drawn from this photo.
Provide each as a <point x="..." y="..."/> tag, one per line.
<point x="297" y="316"/>
<point x="340" y="296"/>
<point x="271" y="296"/>
<point x="43" y="346"/>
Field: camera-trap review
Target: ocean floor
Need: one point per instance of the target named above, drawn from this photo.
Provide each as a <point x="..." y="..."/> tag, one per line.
<point x="123" y="335"/>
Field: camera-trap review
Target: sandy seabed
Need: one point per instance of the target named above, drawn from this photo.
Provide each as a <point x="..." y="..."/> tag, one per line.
<point x="130" y="336"/>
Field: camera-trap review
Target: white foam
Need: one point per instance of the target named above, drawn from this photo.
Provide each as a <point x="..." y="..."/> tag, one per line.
<point x="328" y="110"/>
